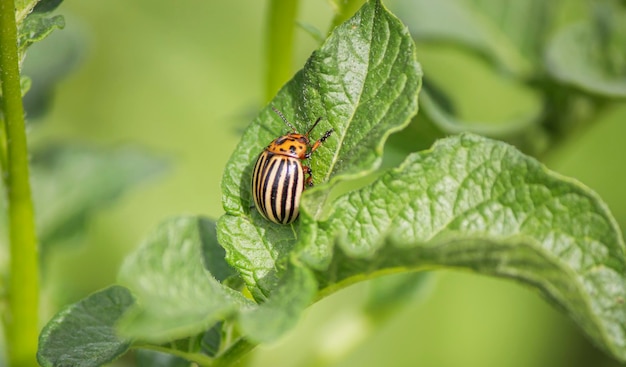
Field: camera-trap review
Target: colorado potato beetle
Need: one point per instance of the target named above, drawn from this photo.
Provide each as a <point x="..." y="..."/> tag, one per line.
<point x="278" y="176"/>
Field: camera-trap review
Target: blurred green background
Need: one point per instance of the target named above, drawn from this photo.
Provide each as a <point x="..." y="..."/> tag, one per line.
<point x="182" y="80"/>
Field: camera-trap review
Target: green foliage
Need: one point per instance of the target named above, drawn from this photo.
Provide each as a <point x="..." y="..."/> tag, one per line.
<point x="69" y="184"/>
<point x="481" y="205"/>
<point x="37" y="27"/>
<point x="580" y="55"/>
<point x="480" y="55"/>
<point x="35" y="23"/>
<point x="178" y="295"/>
<point x="271" y="319"/>
<point x="363" y="82"/>
<point x="20" y="319"/>
<point x="467" y="203"/>
<point x="84" y="333"/>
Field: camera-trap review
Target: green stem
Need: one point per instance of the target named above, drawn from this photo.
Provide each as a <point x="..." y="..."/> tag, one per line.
<point x="22" y="326"/>
<point x="234" y="353"/>
<point x="281" y="23"/>
<point x="198" y="358"/>
<point x="228" y="358"/>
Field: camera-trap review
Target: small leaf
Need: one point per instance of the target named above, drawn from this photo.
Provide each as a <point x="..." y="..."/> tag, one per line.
<point x="46" y="6"/>
<point x="481" y="205"/>
<point x="574" y="56"/>
<point x="282" y="311"/>
<point x="35" y="22"/>
<point x="491" y="28"/>
<point x="463" y="93"/>
<point x="84" y="334"/>
<point x="36" y="27"/>
<point x="363" y="82"/>
<point x="25" y="7"/>
<point x="47" y="64"/>
<point x="177" y="296"/>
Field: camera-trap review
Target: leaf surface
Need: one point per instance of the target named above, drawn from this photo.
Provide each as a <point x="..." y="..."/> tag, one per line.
<point x="177" y="296"/>
<point x="496" y="29"/>
<point x="281" y="312"/>
<point x="35" y="22"/>
<point x="579" y="55"/>
<point x="478" y="204"/>
<point x="84" y="333"/>
<point x="363" y="82"/>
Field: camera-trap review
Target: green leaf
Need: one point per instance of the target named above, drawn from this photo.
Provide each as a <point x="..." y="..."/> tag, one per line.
<point x="35" y="22"/>
<point x="177" y="296"/>
<point x="257" y="249"/>
<point x="213" y="254"/>
<point x="47" y="64"/>
<point x="46" y="6"/>
<point x="363" y="82"/>
<point x="590" y="58"/>
<point x="36" y="27"/>
<point x="83" y="334"/>
<point x="463" y="93"/>
<point x="71" y="182"/>
<point x="23" y="8"/>
<point x="477" y="204"/>
<point x="281" y="312"/>
<point x="495" y="29"/>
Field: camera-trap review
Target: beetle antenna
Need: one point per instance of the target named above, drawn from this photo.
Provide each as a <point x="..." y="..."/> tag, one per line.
<point x="284" y="118"/>
<point x="312" y="127"/>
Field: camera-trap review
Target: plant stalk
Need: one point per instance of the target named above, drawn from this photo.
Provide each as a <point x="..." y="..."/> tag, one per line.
<point x="234" y="353"/>
<point x="21" y="322"/>
<point x="197" y="358"/>
<point x="281" y="24"/>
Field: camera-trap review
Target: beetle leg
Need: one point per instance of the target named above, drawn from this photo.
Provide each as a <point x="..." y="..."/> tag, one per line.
<point x="307" y="171"/>
<point x="318" y="143"/>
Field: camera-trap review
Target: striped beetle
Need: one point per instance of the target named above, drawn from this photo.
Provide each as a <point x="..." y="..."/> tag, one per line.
<point x="278" y="175"/>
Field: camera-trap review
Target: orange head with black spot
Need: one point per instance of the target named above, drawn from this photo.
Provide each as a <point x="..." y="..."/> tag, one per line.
<point x="292" y="144"/>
